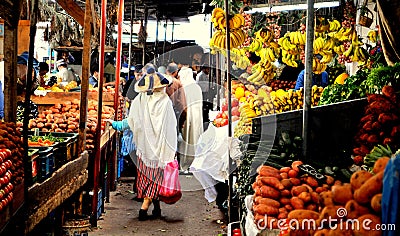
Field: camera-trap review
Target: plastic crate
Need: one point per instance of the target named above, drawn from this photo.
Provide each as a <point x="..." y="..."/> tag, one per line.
<point x="68" y="150"/>
<point x="45" y="162"/>
<point x="33" y="154"/>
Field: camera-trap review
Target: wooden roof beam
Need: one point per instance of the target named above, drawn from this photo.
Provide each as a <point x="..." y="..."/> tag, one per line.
<point x="74" y="10"/>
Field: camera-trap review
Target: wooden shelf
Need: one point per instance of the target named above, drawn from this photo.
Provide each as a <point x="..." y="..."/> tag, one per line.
<point x="47" y="196"/>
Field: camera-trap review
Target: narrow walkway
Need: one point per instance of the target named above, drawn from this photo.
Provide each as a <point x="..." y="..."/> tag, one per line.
<point x="191" y="216"/>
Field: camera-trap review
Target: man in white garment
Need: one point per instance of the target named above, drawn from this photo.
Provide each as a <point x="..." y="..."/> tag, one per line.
<point x="193" y="126"/>
<point x="64" y="74"/>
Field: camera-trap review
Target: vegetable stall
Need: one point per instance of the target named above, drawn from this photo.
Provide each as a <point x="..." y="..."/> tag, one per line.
<point x="352" y="129"/>
<point x="47" y="174"/>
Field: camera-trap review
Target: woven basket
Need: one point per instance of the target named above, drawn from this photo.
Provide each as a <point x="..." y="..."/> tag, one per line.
<point x="367" y="19"/>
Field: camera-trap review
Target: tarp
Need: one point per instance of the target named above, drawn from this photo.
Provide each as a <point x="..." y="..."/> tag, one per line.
<point x="389" y="21"/>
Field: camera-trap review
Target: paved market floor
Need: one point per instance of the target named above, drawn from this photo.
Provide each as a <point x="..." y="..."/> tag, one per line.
<point x="192" y="215"/>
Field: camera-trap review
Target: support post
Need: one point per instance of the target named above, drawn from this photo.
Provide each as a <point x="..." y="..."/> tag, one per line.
<point x="308" y="76"/>
<point x="97" y="160"/>
<point x="146" y="12"/>
<point x="85" y="76"/>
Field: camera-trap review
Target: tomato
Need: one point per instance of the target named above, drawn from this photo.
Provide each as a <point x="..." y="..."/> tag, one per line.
<point x="237" y="230"/>
<point x="224" y="122"/>
<point x="237" y="234"/>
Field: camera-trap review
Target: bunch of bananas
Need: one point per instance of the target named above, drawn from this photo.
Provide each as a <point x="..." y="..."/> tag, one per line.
<point x="372" y="36"/>
<point x="339" y="49"/>
<point x="343" y="34"/>
<point x="290" y="58"/>
<point x="255" y="45"/>
<point x="262" y="103"/>
<point x="218" y="40"/>
<point x="263" y="73"/>
<point x="316" y="94"/>
<point x="243" y="127"/>
<point x="268" y="54"/>
<point x="360" y="54"/>
<point x="318" y="67"/>
<point x="236" y="34"/>
<point x="246" y="109"/>
<point x="264" y="35"/>
<point x="218" y="19"/>
<point x="238" y="56"/>
<point x="290" y="51"/>
<point x="334" y="25"/>
<point x="297" y="38"/>
<point x="287" y="100"/>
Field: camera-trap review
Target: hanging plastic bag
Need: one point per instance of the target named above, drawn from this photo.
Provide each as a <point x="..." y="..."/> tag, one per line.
<point x="390" y="195"/>
<point x="170" y="191"/>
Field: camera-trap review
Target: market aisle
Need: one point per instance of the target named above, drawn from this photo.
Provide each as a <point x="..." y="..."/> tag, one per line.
<point x="192" y="215"/>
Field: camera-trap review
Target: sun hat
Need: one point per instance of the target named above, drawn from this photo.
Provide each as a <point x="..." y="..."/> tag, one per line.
<point x="150" y="81"/>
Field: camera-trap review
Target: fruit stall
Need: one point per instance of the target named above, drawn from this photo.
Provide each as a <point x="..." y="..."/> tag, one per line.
<point x="319" y="139"/>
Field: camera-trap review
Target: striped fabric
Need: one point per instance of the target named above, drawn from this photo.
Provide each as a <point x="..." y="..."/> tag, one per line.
<point x="149" y="180"/>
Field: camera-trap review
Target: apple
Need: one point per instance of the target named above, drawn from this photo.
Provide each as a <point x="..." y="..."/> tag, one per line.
<point x="235" y="102"/>
<point x="235" y="118"/>
<point x="224" y="107"/>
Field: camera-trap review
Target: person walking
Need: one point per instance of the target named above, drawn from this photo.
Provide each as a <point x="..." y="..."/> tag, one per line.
<point x="193" y="126"/>
<point x="153" y="123"/>
<point x="202" y="79"/>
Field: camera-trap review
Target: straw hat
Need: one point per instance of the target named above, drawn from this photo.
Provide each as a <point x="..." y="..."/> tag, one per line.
<point x="150" y="81"/>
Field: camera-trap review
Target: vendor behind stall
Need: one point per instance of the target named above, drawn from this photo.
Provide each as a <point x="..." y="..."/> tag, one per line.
<point x="64" y="74"/>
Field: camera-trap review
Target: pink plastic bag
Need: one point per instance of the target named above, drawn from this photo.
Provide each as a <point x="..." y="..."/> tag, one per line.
<point x="170" y="191"/>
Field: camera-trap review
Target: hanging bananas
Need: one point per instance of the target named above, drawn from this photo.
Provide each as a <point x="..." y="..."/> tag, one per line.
<point x="236" y="34"/>
<point x="372" y="36"/>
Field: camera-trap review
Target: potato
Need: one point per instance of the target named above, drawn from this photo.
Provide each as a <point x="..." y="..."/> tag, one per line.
<point x="295" y="181"/>
<point x="286" y="183"/>
<point x="380" y="164"/>
<point x="371" y="187"/>
<point x="355" y="210"/>
<point x="328" y="212"/>
<point x="266" y="201"/>
<point x="358" y="178"/>
<point x="271" y="181"/>
<point x="320" y="189"/>
<point x="264" y="209"/>
<point x="376" y="203"/>
<point x="311" y="181"/>
<point x="293" y="173"/>
<point x="326" y="198"/>
<point x="269" y="192"/>
<point x="303" y="214"/>
<point x="284" y="175"/>
<point x="305" y="196"/>
<point x="370" y="228"/>
<point x="285" y="169"/>
<point x="285" y="193"/>
<point x="312" y="207"/>
<point x="295" y="165"/>
<point x="284" y="201"/>
<point x="298" y="189"/>
<point x="297" y="203"/>
<point x="315" y="197"/>
<point x="342" y="194"/>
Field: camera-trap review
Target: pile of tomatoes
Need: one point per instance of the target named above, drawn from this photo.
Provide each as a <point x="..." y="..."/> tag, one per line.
<point x="6" y="187"/>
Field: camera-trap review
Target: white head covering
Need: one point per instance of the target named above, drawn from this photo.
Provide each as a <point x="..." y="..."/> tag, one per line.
<point x="186" y="76"/>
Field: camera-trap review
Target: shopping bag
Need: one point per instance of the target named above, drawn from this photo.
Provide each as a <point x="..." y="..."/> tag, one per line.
<point x="170" y="191"/>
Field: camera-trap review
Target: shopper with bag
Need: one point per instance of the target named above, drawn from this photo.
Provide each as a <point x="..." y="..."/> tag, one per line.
<point x="153" y="123"/>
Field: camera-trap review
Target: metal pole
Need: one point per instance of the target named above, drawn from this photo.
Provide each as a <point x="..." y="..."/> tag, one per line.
<point x="130" y="47"/>
<point x="308" y="76"/>
<point x="146" y="12"/>
<point x="27" y="110"/>
<point x="96" y="168"/>
<point x="172" y="31"/>
<point x="165" y="39"/>
<point x="119" y="49"/>
<point x="228" y="79"/>
<point x="156" y="42"/>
